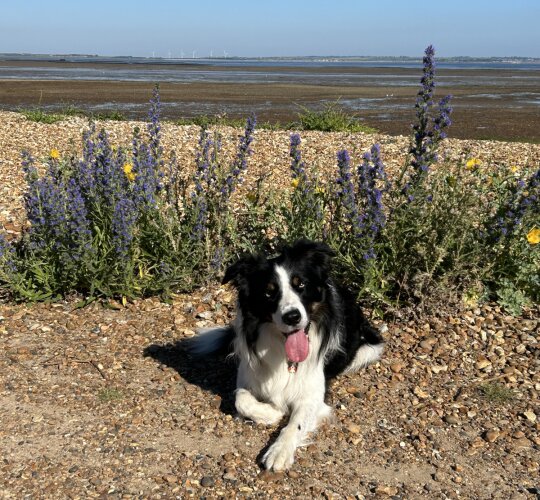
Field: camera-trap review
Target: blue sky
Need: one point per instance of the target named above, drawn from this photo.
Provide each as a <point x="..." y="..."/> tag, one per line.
<point x="271" y="27"/>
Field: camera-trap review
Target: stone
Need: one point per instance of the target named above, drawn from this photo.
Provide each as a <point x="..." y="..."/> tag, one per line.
<point x="483" y="363"/>
<point x="491" y="435"/>
<point x="230" y="477"/>
<point x="207" y="481"/>
<point x="521" y="443"/>
<point x="530" y="416"/>
<point x="269" y="476"/>
<point x="426" y="345"/>
<point x="396" y="367"/>
<point x="354" y="428"/>
<point x="420" y="393"/>
<point x="386" y="490"/>
<point x="451" y="419"/>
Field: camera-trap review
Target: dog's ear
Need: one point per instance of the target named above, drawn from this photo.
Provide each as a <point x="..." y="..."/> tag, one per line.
<point x="316" y="252"/>
<point x="238" y="272"/>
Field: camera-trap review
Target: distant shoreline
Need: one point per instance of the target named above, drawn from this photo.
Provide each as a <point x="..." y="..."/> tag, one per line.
<point x="487" y="104"/>
<point x="226" y="60"/>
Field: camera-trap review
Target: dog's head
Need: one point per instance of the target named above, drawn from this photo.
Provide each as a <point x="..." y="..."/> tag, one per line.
<point x="284" y="290"/>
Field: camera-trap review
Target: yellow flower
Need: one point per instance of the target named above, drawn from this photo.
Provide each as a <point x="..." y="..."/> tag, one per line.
<point x="295" y="182"/>
<point x="473" y="163"/>
<point x="513" y="169"/>
<point x="319" y="190"/>
<point x="470" y="298"/>
<point x="533" y="236"/>
<point x="54" y="154"/>
<point x="128" y="170"/>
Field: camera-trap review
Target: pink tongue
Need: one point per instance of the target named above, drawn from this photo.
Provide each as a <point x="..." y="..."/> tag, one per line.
<point x="297" y="346"/>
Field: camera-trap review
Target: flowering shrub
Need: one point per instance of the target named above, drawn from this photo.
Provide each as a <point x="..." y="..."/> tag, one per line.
<point x="510" y="238"/>
<point x="113" y="224"/>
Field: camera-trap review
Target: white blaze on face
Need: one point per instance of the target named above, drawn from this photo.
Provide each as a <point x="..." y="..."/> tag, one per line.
<point x="289" y="300"/>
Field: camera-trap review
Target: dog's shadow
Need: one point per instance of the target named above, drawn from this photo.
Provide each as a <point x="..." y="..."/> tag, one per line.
<point x="214" y="373"/>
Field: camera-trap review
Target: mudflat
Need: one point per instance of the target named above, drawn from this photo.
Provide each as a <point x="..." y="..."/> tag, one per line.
<point x="483" y="109"/>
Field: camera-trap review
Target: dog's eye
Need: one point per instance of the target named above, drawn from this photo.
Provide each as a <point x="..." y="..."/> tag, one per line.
<point x="270" y="290"/>
<point x="298" y="283"/>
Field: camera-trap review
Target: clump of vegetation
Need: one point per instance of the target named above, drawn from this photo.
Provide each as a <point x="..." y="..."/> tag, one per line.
<point x="332" y="118"/>
<point x="113" y="115"/>
<point x="497" y="393"/>
<point x="41" y="116"/>
<point x="109" y="394"/>
<point x="127" y="222"/>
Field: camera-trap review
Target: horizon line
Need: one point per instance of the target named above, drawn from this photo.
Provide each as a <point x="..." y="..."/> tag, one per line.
<point x="290" y="57"/>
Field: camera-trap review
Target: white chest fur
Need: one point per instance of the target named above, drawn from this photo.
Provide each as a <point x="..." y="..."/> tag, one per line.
<point x="267" y="376"/>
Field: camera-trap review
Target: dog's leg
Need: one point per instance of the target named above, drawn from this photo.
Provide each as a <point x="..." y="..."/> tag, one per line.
<point x="305" y="418"/>
<point x="251" y="408"/>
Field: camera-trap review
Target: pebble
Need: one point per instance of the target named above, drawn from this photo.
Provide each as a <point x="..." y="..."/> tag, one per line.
<point x="169" y="478"/>
<point x="521" y="443"/>
<point x="386" y="490"/>
<point x="477" y="443"/>
<point x="451" y="419"/>
<point x="396" y="367"/>
<point x="426" y="345"/>
<point x="491" y="435"/>
<point x="205" y="315"/>
<point x="530" y="415"/>
<point x="229" y="476"/>
<point x="207" y="481"/>
<point x="420" y="393"/>
<point x="269" y="476"/>
<point x="483" y="363"/>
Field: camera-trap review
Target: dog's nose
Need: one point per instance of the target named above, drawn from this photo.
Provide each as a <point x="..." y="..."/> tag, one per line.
<point x="292" y="317"/>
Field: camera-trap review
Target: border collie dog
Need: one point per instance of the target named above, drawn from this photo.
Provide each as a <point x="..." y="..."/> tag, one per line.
<point x="294" y="330"/>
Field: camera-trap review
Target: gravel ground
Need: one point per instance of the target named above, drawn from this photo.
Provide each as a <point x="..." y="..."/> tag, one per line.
<point x="104" y="402"/>
<point x="270" y="156"/>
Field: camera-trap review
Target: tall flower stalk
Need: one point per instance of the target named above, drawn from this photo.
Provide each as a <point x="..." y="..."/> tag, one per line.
<point x="345" y="191"/>
<point x="372" y="184"/>
<point x="428" y="130"/>
<point x="8" y="266"/>
<point x="298" y="167"/>
<point x="239" y="165"/>
<point x="307" y="200"/>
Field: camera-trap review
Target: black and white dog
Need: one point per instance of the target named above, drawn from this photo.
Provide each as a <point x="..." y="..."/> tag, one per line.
<point x="294" y="330"/>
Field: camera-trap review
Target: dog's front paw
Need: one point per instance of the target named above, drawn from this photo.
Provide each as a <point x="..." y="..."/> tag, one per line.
<point x="280" y="456"/>
<point x="267" y="416"/>
<point x="252" y="409"/>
